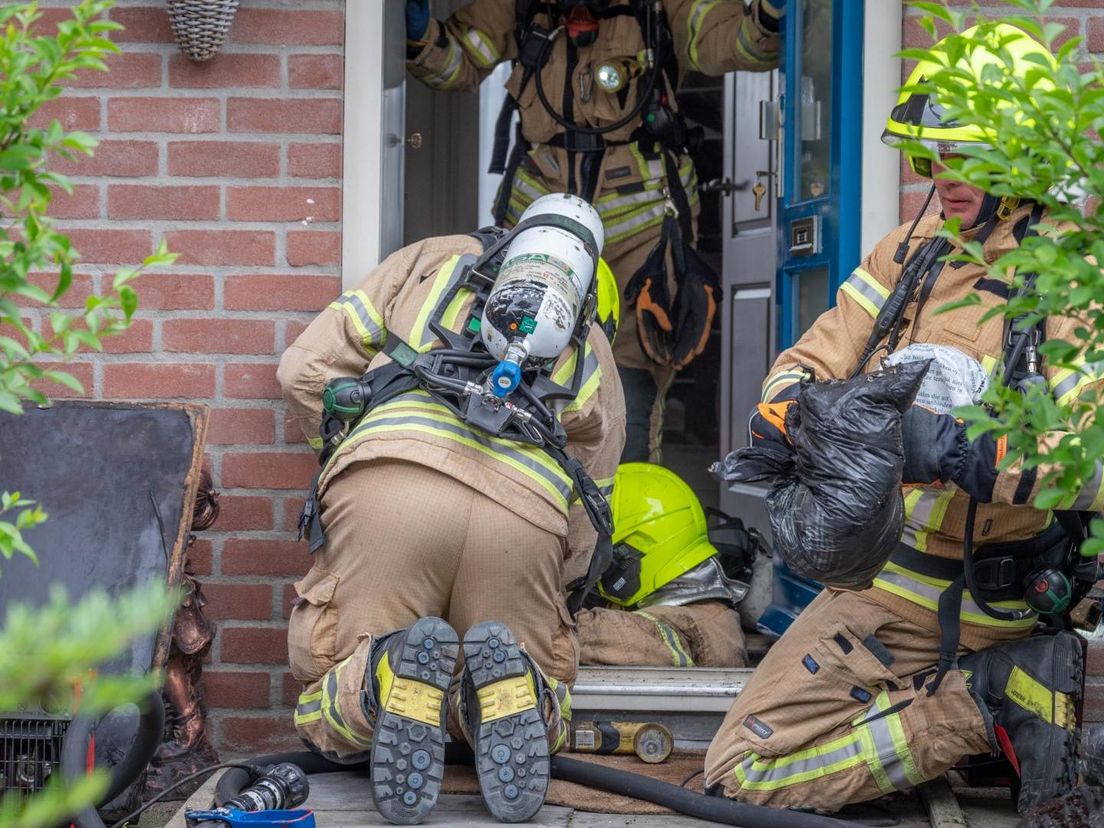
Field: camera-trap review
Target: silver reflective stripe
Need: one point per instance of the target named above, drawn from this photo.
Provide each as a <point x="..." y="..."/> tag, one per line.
<point x="637" y="221"/>
<point x="375" y="333"/>
<point x="527" y="188"/>
<point x="1090" y="492"/>
<point x="480" y="47"/>
<point x="304" y="709"/>
<point x="697" y="14"/>
<point x="462" y="431"/>
<point x="887" y="752"/>
<point x="606" y="205"/>
<point x="444" y="78"/>
<point x="868" y="291"/>
<point x="850" y="750"/>
<point x="932" y="593"/>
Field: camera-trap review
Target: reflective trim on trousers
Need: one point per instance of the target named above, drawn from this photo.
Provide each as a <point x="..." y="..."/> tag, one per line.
<point x="926" y="591"/>
<point x="309" y="708"/>
<point x="331" y="711"/>
<point x="670" y="637"/>
<point x="891" y="761"/>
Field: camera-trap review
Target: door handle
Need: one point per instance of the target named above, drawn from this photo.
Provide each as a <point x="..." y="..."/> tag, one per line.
<point x="723" y="185"/>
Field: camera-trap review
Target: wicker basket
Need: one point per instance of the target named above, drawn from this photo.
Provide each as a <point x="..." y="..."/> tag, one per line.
<point x="200" y="26"/>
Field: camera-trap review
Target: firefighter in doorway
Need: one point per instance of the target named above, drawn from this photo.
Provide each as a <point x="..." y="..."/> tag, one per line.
<point x="672" y="594"/>
<point x="890" y="686"/>
<point x="444" y="501"/>
<point x="594" y="84"/>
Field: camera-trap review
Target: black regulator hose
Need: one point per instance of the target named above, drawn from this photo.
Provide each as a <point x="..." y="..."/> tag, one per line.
<point x="588" y="774"/>
<point x="74" y="753"/>
<point x="683" y="801"/>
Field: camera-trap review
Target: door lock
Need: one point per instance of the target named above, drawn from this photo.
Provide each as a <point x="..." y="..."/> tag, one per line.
<point x="414" y="141"/>
<point x="723" y="185"/>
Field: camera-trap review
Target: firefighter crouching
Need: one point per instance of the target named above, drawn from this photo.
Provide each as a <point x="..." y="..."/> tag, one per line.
<point x="890" y="686"/>
<point x="444" y="505"/>
<point x="594" y="85"/>
<point x="669" y="597"/>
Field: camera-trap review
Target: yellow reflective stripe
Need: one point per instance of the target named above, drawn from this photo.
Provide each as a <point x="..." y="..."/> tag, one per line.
<point x="926" y="591"/>
<point x="1031" y="695"/>
<point x="480" y="47"/>
<point x="440" y="282"/>
<point x="636" y="222"/>
<point x="605" y="485"/>
<point x="913" y="777"/>
<point x="454" y="59"/>
<point x="433" y="418"/>
<point x="774" y="385"/>
<point x="315" y="443"/>
<point x="698" y="12"/>
<point x="592" y="378"/>
<point x="332" y="713"/>
<point x="1068" y="383"/>
<point x="866" y="291"/>
<point x="924" y="513"/>
<point x="887" y="748"/>
<point x="365" y="318"/>
<point x="309" y="708"/>
<point x="989" y="365"/>
<point x="449" y="317"/>
<point x="1089" y="497"/>
<point x="669" y="636"/>
<point x="745" y="43"/>
<point x="816" y="762"/>
<point x="873" y="760"/>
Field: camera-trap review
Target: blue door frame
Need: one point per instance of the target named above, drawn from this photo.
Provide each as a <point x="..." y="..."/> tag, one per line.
<point x="833" y="206"/>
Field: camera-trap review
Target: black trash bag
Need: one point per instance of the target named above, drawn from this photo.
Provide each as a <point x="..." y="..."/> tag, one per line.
<point x="835" y="502"/>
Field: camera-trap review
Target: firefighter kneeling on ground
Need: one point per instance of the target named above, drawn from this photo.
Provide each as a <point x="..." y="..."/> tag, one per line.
<point x="893" y="685"/>
<point x="444" y="499"/>
<point x="673" y="592"/>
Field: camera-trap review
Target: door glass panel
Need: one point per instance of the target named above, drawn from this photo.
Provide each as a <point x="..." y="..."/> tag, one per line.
<point x="812" y="297"/>
<point x="814" y="109"/>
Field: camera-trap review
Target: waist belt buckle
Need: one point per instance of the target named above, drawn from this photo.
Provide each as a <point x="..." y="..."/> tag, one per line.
<point x="995" y="573"/>
<point x="583" y="142"/>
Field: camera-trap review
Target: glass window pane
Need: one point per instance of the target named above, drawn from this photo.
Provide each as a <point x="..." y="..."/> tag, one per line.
<point x="814" y="93"/>
<point x="812" y="297"/>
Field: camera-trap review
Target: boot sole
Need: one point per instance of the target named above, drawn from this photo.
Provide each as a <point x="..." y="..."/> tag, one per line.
<point x="408" y="746"/>
<point x="511" y="743"/>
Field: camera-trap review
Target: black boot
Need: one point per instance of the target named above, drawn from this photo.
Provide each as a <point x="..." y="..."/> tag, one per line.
<point x="501" y="708"/>
<point x="409" y="676"/>
<point x="1028" y="693"/>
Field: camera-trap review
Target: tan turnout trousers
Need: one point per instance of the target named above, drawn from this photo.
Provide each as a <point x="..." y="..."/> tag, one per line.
<point x="704" y="634"/>
<point x="405" y="541"/>
<point x="855" y="720"/>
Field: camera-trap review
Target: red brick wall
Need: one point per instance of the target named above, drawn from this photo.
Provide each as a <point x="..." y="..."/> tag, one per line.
<point x="1080" y="18"/>
<point x="236" y="162"/>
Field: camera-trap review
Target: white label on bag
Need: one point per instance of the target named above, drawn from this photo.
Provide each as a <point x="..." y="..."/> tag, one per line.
<point x="953" y="379"/>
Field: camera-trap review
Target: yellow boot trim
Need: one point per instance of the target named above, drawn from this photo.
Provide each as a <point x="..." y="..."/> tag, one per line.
<point x="1036" y="698"/>
<point x="408" y="697"/>
<point x="505" y="698"/>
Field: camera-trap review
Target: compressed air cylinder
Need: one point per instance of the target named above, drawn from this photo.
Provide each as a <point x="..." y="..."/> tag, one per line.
<point x="536" y="300"/>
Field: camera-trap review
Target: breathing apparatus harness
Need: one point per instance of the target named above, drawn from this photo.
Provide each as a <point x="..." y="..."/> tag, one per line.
<point x="660" y="122"/>
<point x="459" y="376"/>
<point x="1046" y="571"/>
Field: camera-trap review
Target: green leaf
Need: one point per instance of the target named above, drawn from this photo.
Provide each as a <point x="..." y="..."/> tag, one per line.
<point x="63" y="378"/>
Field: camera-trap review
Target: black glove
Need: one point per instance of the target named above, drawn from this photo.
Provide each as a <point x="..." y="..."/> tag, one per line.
<point x="936" y="449"/>
<point x="417" y="19"/>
